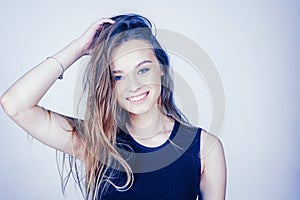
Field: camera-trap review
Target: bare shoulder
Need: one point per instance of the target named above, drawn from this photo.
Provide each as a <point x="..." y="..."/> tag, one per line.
<point x="213" y="167"/>
<point x="210" y="144"/>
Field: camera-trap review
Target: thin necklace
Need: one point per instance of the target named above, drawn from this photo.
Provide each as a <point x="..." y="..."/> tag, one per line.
<point x="163" y="130"/>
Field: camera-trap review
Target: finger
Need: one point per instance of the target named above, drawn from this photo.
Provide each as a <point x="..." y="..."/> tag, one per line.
<point x="105" y="20"/>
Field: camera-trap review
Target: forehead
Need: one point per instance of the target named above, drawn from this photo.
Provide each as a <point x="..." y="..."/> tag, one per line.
<point x="131" y="52"/>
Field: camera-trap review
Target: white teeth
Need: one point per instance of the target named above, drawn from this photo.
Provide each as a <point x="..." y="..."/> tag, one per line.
<point x="137" y="98"/>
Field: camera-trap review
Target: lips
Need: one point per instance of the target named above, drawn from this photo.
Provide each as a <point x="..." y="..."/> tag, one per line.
<point x="138" y="98"/>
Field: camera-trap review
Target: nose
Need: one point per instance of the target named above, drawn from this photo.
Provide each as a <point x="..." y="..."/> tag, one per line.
<point x="133" y="82"/>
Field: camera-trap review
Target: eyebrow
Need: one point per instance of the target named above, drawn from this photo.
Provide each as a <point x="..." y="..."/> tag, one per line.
<point x="138" y="65"/>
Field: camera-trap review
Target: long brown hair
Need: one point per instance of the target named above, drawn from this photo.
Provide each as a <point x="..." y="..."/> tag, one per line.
<point x="103" y="116"/>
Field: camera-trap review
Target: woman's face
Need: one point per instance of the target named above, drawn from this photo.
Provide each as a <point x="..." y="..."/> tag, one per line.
<point x="137" y="74"/>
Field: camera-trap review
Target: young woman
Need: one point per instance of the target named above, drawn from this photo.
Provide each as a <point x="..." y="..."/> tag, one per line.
<point x="134" y="142"/>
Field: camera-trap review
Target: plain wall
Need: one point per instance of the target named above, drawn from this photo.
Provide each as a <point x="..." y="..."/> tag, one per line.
<point x="255" y="47"/>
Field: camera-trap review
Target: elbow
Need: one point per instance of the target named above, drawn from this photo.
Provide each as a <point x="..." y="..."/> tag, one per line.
<point x="7" y="105"/>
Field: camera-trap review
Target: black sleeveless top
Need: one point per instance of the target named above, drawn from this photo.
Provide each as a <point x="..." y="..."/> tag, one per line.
<point x="167" y="172"/>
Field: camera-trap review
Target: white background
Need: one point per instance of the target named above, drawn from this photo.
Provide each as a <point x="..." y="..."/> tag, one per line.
<point x="254" y="45"/>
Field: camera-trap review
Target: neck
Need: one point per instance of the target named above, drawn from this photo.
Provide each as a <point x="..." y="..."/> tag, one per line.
<point x="147" y="124"/>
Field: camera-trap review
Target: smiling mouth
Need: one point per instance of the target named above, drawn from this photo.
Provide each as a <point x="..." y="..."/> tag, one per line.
<point x="138" y="98"/>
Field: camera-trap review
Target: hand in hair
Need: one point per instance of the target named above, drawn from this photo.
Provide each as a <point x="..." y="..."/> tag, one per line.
<point x="87" y="38"/>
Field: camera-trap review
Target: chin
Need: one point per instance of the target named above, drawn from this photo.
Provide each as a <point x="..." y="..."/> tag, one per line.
<point x="138" y="110"/>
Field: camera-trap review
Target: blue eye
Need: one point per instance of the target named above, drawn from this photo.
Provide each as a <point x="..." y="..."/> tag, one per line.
<point x="144" y="70"/>
<point x="118" y="78"/>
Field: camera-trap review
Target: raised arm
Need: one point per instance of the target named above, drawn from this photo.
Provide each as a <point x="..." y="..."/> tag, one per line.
<point x="21" y="99"/>
<point x="213" y="168"/>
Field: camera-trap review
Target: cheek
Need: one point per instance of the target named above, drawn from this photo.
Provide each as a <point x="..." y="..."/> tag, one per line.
<point x="118" y="92"/>
<point x="120" y="97"/>
<point x="153" y="78"/>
